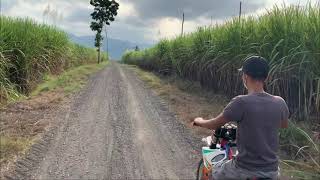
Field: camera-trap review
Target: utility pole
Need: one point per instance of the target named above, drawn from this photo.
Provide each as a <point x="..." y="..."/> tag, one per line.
<point x="0" y="15"/>
<point x="182" y="24"/>
<point x="159" y="34"/>
<point x="240" y="11"/>
<point x="0" y="7"/>
<point x="211" y="21"/>
<point x="240" y="24"/>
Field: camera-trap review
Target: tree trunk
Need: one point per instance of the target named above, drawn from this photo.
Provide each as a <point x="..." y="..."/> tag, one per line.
<point x="99" y="54"/>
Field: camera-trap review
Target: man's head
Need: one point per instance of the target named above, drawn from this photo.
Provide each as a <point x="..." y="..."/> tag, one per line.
<point x="255" y="71"/>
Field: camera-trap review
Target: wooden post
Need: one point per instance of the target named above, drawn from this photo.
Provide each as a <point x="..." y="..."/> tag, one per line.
<point x="240" y="11"/>
<point x="240" y="24"/>
<point x="0" y="7"/>
<point x="0" y="14"/>
<point x="159" y="34"/>
<point x="182" y="24"/>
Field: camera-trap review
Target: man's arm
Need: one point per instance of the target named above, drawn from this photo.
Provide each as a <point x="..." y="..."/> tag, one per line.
<point x="212" y="124"/>
<point x="284" y="123"/>
<point x="232" y="112"/>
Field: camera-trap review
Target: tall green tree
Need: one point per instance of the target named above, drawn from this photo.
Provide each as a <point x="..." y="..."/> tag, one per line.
<point x="104" y="13"/>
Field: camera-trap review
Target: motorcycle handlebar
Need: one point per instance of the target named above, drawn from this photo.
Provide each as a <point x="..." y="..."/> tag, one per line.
<point x="227" y="132"/>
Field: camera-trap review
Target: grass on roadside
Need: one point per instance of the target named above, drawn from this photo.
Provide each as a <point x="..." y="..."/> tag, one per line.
<point x="152" y="80"/>
<point x="70" y="81"/>
<point x="11" y="146"/>
<point x="301" y="158"/>
<point x="164" y="85"/>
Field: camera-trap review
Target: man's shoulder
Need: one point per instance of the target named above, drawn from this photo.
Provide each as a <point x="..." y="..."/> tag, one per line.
<point x="242" y="98"/>
<point x="281" y="102"/>
<point x="267" y="96"/>
<point x="279" y="98"/>
<point x="239" y="97"/>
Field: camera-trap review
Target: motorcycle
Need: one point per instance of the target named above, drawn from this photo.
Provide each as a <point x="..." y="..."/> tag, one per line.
<point x="220" y="147"/>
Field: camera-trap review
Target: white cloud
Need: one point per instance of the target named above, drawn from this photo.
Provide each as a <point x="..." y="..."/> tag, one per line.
<point x="126" y="10"/>
<point x="171" y="27"/>
<point x="167" y="27"/>
<point x="23" y="8"/>
<point x="288" y="2"/>
<point x="35" y="10"/>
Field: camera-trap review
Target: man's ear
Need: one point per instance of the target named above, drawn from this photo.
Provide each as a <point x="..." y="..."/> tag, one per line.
<point x="246" y="77"/>
<point x="243" y="76"/>
<point x="267" y="79"/>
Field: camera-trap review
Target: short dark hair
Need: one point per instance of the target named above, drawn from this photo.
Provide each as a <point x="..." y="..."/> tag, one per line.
<point x="256" y="67"/>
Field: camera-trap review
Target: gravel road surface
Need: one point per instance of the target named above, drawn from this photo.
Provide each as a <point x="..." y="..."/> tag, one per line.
<point x="118" y="129"/>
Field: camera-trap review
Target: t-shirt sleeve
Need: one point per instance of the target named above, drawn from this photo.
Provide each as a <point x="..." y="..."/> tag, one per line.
<point x="234" y="110"/>
<point x="285" y="113"/>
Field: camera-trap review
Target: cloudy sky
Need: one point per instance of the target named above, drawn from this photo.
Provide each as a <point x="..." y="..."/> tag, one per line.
<point x="143" y="21"/>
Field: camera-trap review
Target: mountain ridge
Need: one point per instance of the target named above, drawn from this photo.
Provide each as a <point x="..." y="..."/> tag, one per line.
<point x="116" y="47"/>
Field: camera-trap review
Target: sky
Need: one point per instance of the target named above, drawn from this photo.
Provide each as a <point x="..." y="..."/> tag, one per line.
<point x="143" y="21"/>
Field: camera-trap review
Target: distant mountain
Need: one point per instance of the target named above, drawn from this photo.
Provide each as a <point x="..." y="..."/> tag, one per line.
<point x="116" y="47"/>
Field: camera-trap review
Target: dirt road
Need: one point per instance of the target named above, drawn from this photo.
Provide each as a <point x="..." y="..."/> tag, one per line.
<point x="117" y="128"/>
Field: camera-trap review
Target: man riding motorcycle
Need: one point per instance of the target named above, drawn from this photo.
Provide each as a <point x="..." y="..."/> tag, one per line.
<point x="259" y="115"/>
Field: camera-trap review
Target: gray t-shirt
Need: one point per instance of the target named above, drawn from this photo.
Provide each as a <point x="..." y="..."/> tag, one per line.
<point x="259" y="116"/>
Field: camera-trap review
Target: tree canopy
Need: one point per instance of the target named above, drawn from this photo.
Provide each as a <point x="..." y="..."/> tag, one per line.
<point x="104" y="13"/>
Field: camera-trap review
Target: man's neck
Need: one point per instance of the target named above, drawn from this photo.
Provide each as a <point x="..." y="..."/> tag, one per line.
<point x="256" y="90"/>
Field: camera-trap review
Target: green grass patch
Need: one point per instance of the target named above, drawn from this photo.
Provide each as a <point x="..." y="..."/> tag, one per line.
<point x="70" y="81"/>
<point x="12" y="146"/>
<point x="301" y="158"/>
<point x="152" y="80"/>
<point x="29" y="50"/>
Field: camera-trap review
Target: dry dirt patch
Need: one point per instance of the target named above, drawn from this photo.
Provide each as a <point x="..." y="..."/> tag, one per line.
<point x="22" y="123"/>
<point x="28" y="118"/>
